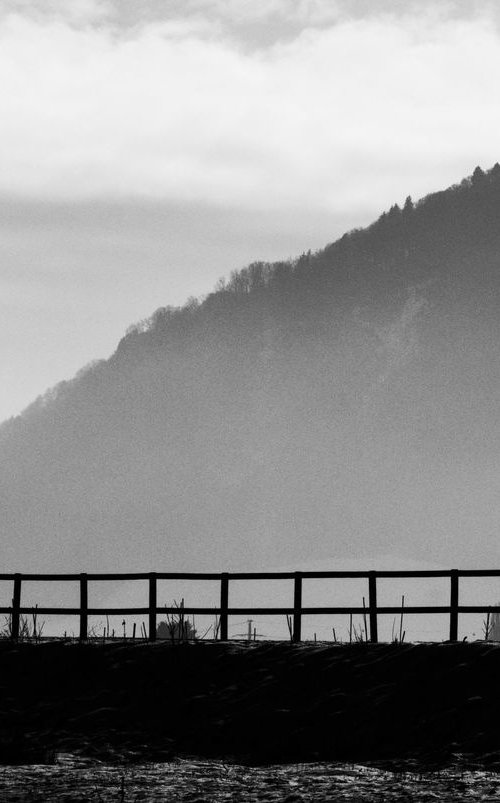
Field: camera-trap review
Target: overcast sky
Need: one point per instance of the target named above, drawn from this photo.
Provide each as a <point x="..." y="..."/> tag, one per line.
<point x="148" y="147"/>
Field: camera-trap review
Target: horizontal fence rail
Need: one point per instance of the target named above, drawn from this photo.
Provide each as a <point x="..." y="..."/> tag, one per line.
<point x="295" y="611"/>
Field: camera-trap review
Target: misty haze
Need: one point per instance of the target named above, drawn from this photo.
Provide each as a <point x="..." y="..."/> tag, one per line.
<point x="342" y="404"/>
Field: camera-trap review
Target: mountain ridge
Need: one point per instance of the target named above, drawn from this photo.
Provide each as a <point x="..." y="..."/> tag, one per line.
<point x="344" y="399"/>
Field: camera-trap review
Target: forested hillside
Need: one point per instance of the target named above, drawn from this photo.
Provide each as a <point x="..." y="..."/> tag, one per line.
<point x="345" y="403"/>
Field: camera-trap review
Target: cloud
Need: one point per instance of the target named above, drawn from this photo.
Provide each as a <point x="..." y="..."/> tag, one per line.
<point x="176" y="109"/>
<point x="75" y="12"/>
<point x="241" y="16"/>
<point x="267" y="20"/>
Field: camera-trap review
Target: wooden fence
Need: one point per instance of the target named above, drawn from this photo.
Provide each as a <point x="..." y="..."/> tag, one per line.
<point x="295" y="611"/>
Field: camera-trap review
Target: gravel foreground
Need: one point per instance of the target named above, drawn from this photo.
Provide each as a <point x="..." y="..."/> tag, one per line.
<point x="214" y="782"/>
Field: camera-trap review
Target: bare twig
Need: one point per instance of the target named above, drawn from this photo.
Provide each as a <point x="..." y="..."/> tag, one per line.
<point x="487" y="627"/>
<point x="364" y="619"/>
<point x="401" y="635"/>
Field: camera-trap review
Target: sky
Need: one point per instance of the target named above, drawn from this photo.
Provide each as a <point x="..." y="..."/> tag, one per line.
<point x="149" y="148"/>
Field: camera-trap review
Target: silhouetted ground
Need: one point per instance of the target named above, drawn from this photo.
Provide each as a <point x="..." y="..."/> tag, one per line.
<point x="265" y="703"/>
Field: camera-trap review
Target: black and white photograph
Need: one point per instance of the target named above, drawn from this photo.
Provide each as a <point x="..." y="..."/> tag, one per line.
<point x="250" y="401"/>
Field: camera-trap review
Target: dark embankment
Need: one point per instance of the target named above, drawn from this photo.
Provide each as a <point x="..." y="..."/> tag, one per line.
<point x="260" y="703"/>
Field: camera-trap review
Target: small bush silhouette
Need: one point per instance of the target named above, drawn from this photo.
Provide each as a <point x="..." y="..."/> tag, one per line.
<point x="176" y="627"/>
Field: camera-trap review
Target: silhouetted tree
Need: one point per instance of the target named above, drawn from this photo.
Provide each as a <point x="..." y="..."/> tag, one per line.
<point x="495" y="172"/>
<point x="408" y="207"/>
<point x="478" y="177"/>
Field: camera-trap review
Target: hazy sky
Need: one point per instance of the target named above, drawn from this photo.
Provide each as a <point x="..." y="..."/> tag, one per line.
<point x="148" y="147"/>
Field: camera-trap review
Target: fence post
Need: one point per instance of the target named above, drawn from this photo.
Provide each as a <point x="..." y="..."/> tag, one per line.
<point x="297" y="607"/>
<point x="372" y="601"/>
<point x="16" y="604"/>
<point x="224" y="604"/>
<point x="152" y="606"/>
<point x="454" y="605"/>
<point x="84" y="604"/>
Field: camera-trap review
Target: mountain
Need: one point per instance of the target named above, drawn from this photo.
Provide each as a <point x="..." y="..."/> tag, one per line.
<point x="342" y="404"/>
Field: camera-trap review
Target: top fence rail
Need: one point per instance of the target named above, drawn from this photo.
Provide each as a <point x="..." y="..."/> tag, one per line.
<point x="96" y="576"/>
<point x="224" y="610"/>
